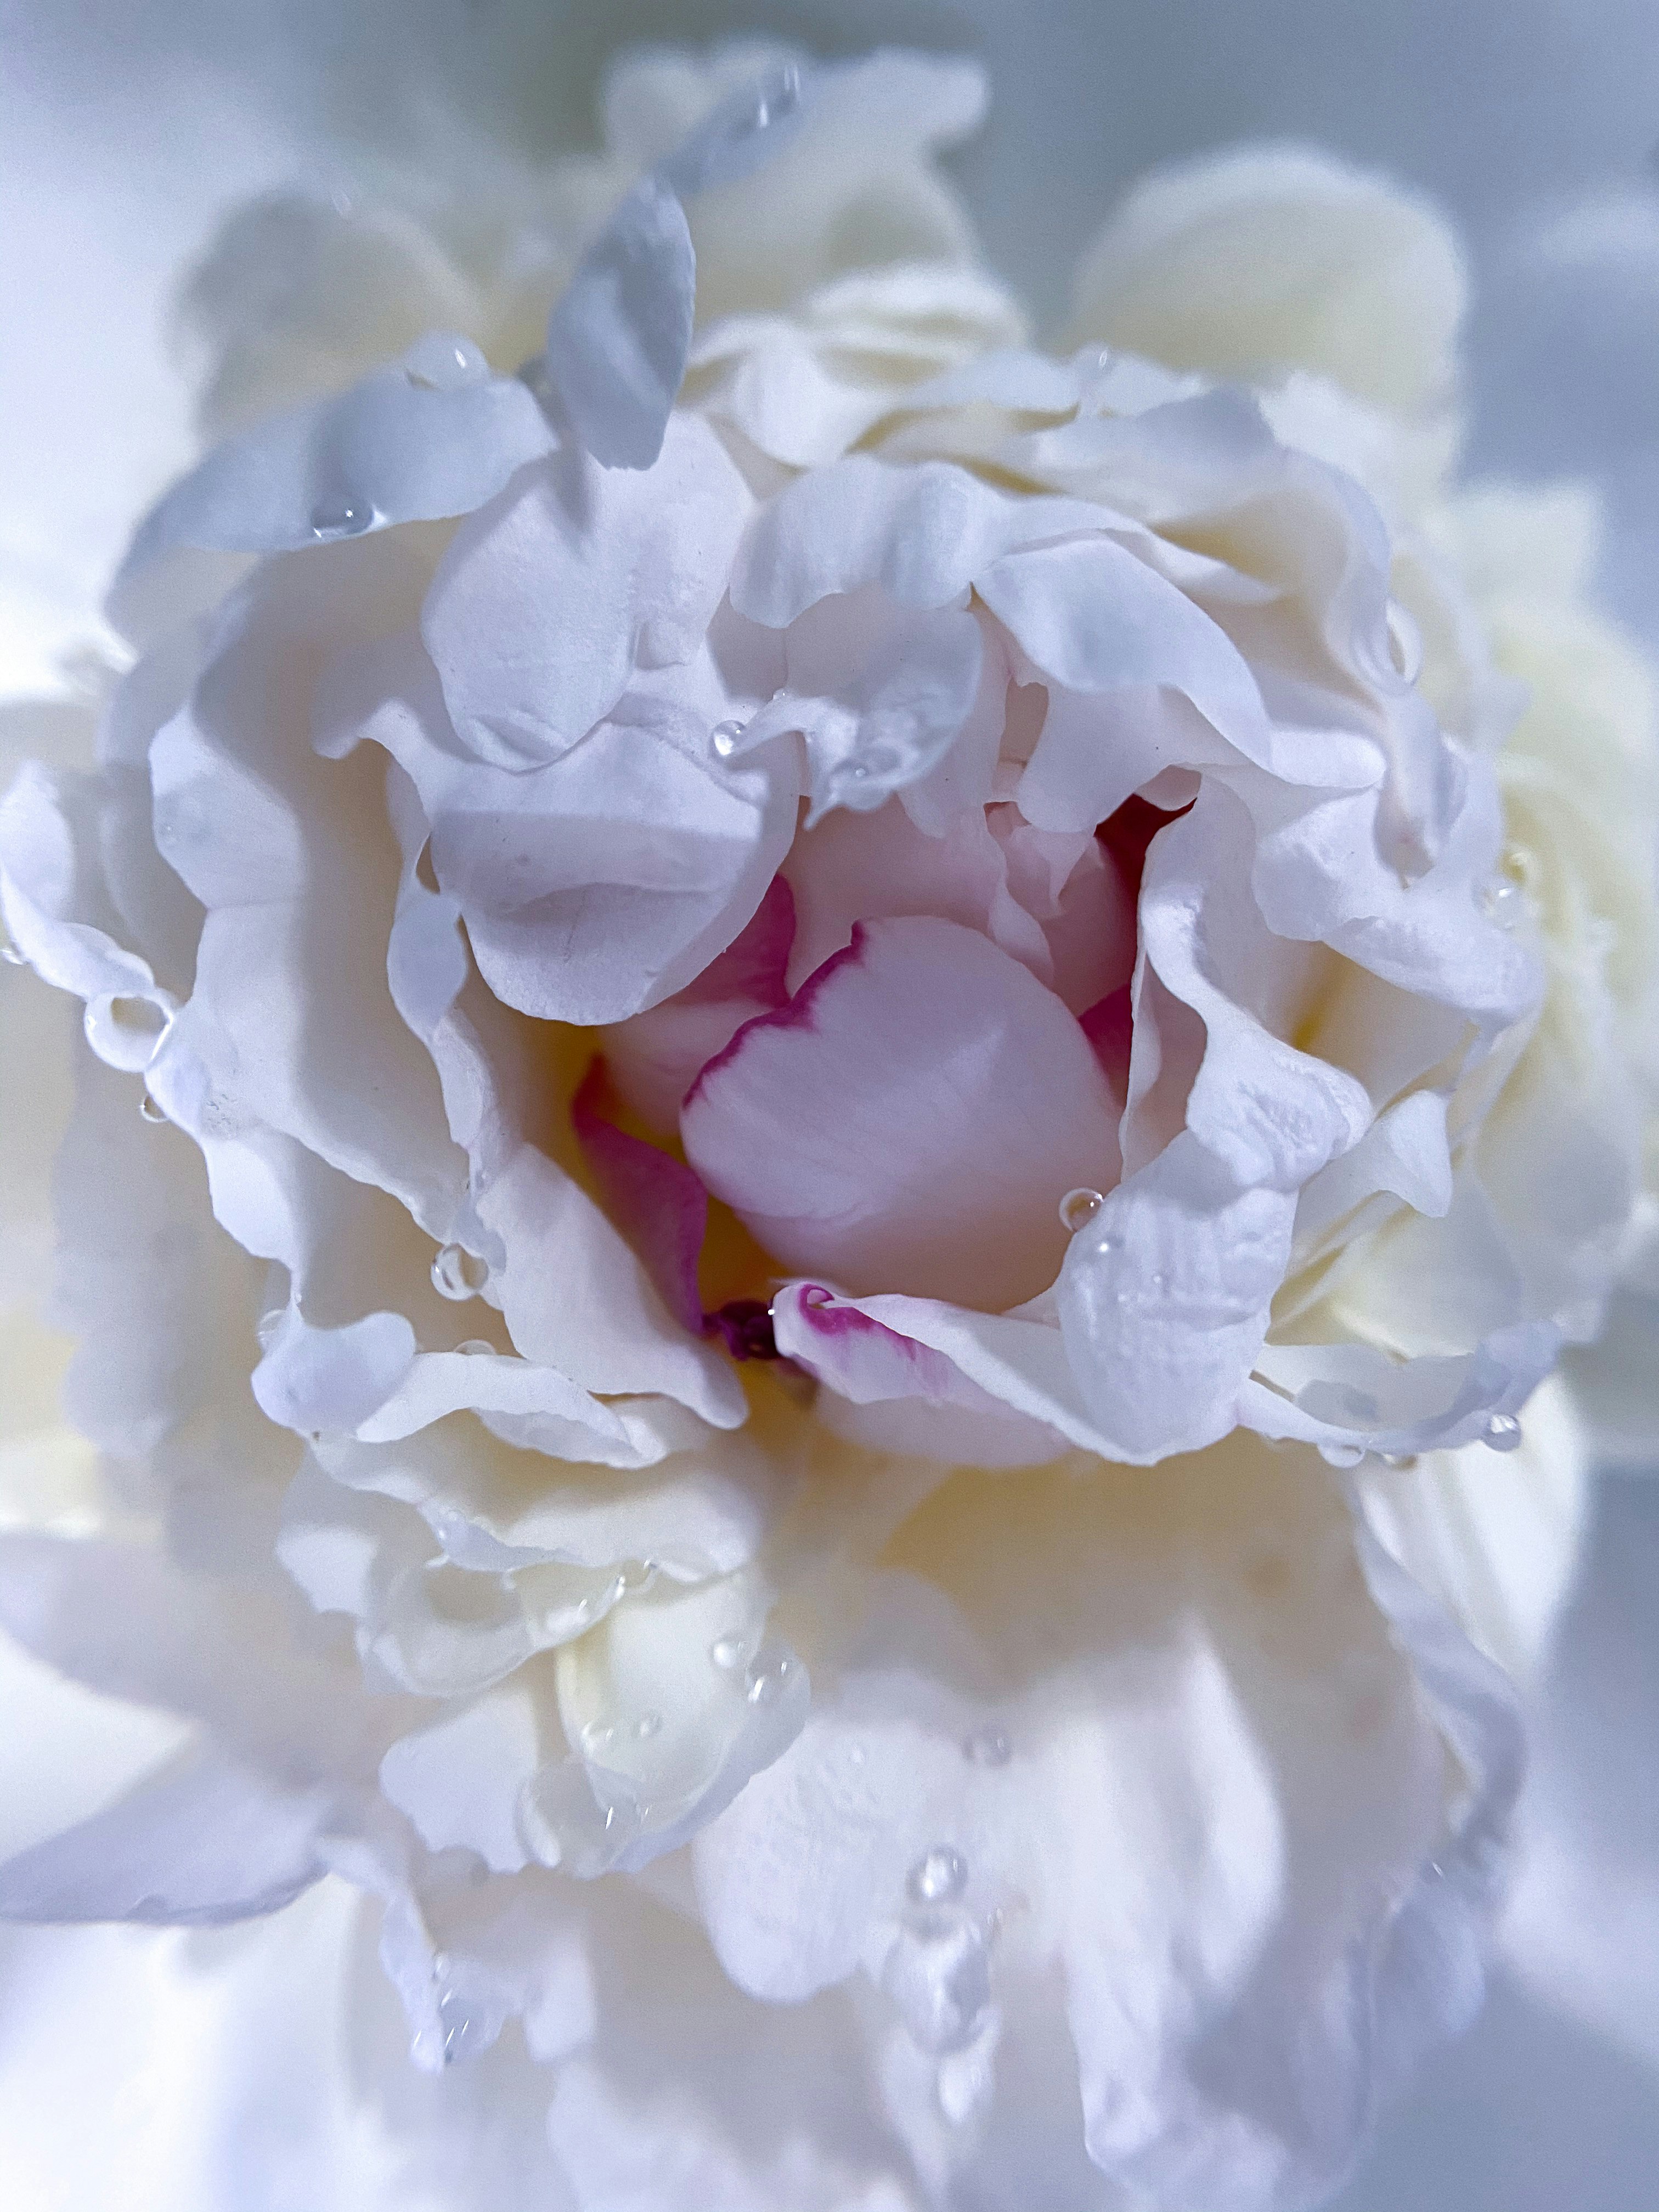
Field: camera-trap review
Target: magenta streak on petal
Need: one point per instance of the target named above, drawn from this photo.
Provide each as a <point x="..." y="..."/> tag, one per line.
<point x="1108" y="1024"/>
<point x="754" y="965"/>
<point x="655" y="1200"/>
<point x="794" y="1013"/>
<point x="860" y="1357"/>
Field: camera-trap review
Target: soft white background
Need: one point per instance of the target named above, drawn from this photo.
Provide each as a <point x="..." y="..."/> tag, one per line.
<point x="126" y="126"/>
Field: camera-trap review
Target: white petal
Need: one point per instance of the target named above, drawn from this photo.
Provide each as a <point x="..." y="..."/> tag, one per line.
<point x="393" y="449"/>
<point x="203" y="1844"/>
<point x="458" y="1780"/>
<point x="1258" y="259"/>
<point x="679" y="1697"/>
<point x="1164" y="1299"/>
<point x="629" y="569"/>
<point x="618" y="336"/>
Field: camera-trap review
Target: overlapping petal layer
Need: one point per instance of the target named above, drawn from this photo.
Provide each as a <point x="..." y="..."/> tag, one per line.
<point x="822" y="1025"/>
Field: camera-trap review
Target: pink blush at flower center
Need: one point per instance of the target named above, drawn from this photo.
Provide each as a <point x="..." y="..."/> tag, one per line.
<point x="910" y="1119"/>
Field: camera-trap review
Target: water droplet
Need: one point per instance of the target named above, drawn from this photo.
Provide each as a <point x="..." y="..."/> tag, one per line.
<point x="766" y="1684"/>
<point x="1401" y="1462"/>
<point x="12" y="956"/>
<point x="474" y="1345"/>
<point x="464" y="2030"/>
<point x="1159" y="1281"/>
<point x="150" y="1111"/>
<point x="1502" y="1433"/>
<point x="577" y="1816"/>
<point x="440" y="1964"/>
<point x="987" y="1747"/>
<point x="1341" y="1454"/>
<point x="125" y="1032"/>
<point x="1501" y="899"/>
<point x="859" y="771"/>
<point x="647" y="1726"/>
<point x="1078" y="1208"/>
<point x="728" y="1653"/>
<point x="441" y="362"/>
<point x="597" y="1736"/>
<point x="724" y="739"/>
<point x="458" y="1274"/>
<point x="938" y="1975"/>
<point x="344" y="518"/>
<point x="939" y="1878"/>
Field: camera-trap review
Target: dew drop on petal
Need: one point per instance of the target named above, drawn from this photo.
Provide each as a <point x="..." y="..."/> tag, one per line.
<point x="458" y="1274"/>
<point x="647" y="1726"/>
<point x="987" y="1747"/>
<point x="150" y="1110"/>
<point x="474" y="1345"/>
<point x="125" y="1031"/>
<point x="724" y="739"/>
<point x="766" y="1684"/>
<point x="1078" y="1208"/>
<point x="1502" y="1433"/>
<point x="464" y="2030"/>
<point x="937" y="1878"/>
<point x="1501" y="899"/>
<point x="728" y="1653"/>
<point x="12" y="956"/>
<point x="579" y="1817"/>
<point x="1342" y="1455"/>
<point x="443" y="362"/>
<point x="342" y="518"/>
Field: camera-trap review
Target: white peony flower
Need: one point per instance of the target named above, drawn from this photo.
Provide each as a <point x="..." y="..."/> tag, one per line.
<point x="868" y="1059"/>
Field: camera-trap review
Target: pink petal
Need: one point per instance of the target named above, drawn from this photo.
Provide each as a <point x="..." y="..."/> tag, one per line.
<point x="654" y="1201"/>
<point x="910" y="1121"/>
<point x="1108" y="1024"/>
<point x="860" y="1358"/>
<point x="1054" y="899"/>
<point x="654" y="1057"/>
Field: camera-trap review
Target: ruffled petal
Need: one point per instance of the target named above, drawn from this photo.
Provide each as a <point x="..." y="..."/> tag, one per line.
<point x="629" y="567"/>
<point x="433" y="435"/>
<point x="1057" y="1746"/>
